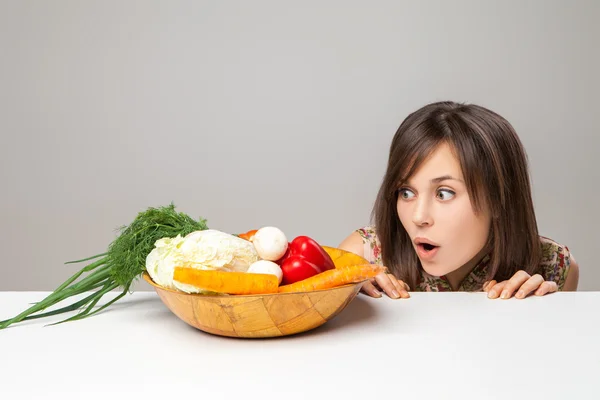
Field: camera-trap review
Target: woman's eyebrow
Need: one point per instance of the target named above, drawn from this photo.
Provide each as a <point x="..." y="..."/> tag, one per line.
<point x="445" y="178"/>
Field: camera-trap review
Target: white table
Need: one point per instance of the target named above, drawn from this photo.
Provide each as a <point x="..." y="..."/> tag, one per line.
<point x="434" y="345"/>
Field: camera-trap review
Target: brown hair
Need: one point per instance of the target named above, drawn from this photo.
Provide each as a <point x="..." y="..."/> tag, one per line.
<point x="495" y="167"/>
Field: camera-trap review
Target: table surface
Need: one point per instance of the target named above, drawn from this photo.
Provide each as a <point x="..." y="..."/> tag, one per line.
<point x="444" y="345"/>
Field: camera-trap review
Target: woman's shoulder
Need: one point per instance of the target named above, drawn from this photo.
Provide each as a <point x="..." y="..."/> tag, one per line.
<point x="371" y="244"/>
<point x="555" y="262"/>
<point x="367" y="233"/>
<point x="364" y="242"/>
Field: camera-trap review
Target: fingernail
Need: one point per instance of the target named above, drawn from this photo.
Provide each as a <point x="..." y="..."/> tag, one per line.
<point x="395" y="294"/>
<point x="376" y="293"/>
<point x="520" y="294"/>
<point x="504" y="294"/>
<point x="491" y="294"/>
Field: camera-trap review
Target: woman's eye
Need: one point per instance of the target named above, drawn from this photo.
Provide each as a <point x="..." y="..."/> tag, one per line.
<point x="445" y="194"/>
<point x="406" y="194"/>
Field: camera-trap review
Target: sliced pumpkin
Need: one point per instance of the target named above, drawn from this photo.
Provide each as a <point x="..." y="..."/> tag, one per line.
<point x="342" y="258"/>
<point x="227" y="282"/>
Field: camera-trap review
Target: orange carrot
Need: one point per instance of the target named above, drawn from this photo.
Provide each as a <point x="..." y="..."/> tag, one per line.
<point x="334" y="277"/>
<point x="227" y="282"/>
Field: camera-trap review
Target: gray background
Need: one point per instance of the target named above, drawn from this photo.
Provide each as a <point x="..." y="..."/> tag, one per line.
<point x="253" y="113"/>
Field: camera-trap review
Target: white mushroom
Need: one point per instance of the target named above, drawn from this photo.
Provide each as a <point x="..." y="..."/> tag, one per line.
<point x="266" y="267"/>
<point x="270" y="243"/>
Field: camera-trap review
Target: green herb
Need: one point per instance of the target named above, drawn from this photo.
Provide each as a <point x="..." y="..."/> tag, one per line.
<point x="123" y="263"/>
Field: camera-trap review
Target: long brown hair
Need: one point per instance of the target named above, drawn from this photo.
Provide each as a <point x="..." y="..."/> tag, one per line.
<point x="495" y="167"/>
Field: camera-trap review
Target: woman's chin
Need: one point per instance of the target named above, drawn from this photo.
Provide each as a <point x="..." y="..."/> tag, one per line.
<point x="434" y="270"/>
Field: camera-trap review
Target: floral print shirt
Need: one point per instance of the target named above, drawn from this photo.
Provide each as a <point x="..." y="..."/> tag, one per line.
<point x="555" y="264"/>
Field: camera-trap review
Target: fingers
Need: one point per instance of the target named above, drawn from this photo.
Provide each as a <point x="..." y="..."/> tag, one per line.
<point x="370" y="290"/>
<point x="546" y="287"/>
<point x="393" y="287"/>
<point x="521" y="283"/>
<point x="488" y="285"/>
<point x="393" y="279"/>
<point x="514" y="283"/>
<point x="529" y="286"/>
<point x="495" y="289"/>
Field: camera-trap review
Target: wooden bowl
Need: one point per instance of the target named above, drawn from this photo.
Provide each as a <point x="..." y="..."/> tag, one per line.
<point x="257" y="316"/>
<point x="260" y="316"/>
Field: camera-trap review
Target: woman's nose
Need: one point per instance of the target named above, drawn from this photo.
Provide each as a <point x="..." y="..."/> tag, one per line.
<point x="422" y="214"/>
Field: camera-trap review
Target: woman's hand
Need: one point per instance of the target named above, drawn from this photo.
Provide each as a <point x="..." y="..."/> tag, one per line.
<point x="521" y="282"/>
<point x="393" y="287"/>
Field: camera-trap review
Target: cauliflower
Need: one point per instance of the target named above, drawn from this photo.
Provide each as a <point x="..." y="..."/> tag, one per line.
<point x="204" y="249"/>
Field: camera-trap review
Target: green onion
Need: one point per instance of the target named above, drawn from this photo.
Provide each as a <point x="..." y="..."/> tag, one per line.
<point x="120" y="266"/>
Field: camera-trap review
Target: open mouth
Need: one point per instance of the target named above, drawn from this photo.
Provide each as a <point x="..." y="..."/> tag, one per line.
<point x="427" y="247"/>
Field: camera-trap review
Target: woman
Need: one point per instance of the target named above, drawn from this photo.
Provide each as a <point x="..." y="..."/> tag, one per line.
<point x="455" y="212"/>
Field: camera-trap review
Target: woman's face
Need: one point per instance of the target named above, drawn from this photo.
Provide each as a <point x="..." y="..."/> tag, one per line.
<point x="435" y="209"/>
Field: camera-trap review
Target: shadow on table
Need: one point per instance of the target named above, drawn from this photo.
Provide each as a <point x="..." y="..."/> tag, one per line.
<point x="362" y="311"/>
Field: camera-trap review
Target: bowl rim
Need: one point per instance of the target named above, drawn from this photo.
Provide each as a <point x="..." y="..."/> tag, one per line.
<point x="146" y="276"/>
